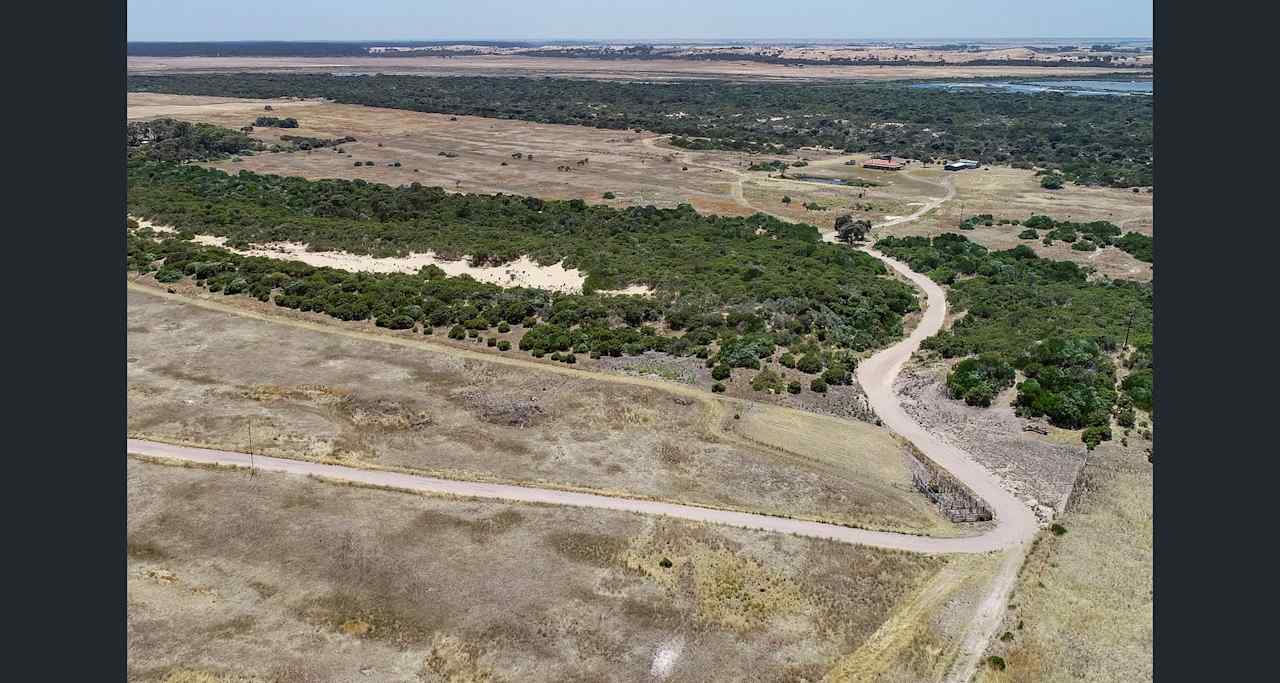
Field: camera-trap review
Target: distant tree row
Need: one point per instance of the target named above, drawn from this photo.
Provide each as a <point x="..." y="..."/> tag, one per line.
<point x="275" y="122"/>
<point x="1090" y="140"/>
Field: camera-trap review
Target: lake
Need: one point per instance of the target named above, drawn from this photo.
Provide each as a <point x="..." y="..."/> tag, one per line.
<point x="1070" y="87"/>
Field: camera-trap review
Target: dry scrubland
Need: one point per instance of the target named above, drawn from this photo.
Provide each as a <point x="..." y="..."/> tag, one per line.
<point x="638" y="168"/>
<point x="197" y="376"/>
<point x="637" y="69"/>
<point x="1083" y="608"/>
<point x="1013" y="193"/>
<point x="233" y="577"/>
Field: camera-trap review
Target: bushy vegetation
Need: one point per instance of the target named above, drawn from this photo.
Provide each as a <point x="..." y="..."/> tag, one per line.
<point x="1139" y="245"/>
<point x="1096" y="233"/>
<point x="978" y="380"/>
<point x="276" y="122"/>
<point x="725" y="292"/>
<point x="1040" y="316"/>
<point x="1090" y="140"/>
<point x="759" y="165"/>
<point x="174" y="140"/>
<point x="302" y="142"/>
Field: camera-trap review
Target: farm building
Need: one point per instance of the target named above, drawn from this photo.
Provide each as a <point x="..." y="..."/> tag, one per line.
<point x="961" y="164"/>
<point x="883" y="164"/>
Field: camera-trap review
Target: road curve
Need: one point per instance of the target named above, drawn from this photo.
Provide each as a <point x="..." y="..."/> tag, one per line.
<point x="530" y="494"/>
<point x="1015" y="522"/>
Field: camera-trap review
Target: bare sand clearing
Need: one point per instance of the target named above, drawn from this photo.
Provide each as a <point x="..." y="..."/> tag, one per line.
<point x="632" y="290"/>
<point x="523" y="272"/>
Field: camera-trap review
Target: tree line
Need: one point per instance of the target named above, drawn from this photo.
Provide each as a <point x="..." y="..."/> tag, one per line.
<point x="1091" y="140"/>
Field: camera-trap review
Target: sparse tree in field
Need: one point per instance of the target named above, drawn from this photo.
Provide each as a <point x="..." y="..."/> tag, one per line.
<point x="849" y="230"/>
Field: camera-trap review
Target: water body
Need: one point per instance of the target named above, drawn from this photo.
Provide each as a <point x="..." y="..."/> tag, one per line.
<point x="816" y="179"/>
<point x="835" y="181"/>
<point x="1070" y="87"/>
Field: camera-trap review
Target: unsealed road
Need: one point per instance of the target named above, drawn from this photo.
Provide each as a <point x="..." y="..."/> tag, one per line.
<point x="530" y="494"/>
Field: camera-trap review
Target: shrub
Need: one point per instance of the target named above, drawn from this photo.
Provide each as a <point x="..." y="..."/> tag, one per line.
<point x="837" y="376"/>
<point x="457" y="332"/>
<point x="809" y="364"/>
<point x="1029" y="234"/>
<point x="426" y="329"/>
<point x="717" y="388"/>
<point x="794" y="388"/>
<point x="786" y="199"/>
<point x="491" y="341"/>
<point x="473" y="333"/>
<point x="168" y="275"/>
<point x="978" y="380"/>
<point x="996" y="662"/>
<point x="503" y="327"/>
<point x="787" y="360"/>
<point x="608" y="195"/>
<point x="818" y="386"/>
<point x="720" y="372"/>
<point x="504" y="345"/>
<point x="1057" y="529"/>
<point x="1093" y="436"/>
<point x="1051" y="181"/>
<point x="1138" y="387"/>
<point x="768" y="380"/>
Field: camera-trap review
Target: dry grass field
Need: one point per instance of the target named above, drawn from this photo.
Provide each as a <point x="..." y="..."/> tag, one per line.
<point x="1007" y="192"/>
<point x="635" y="69"/>
<point x="638" y="168"/>
<point x="233" y="577"/>
<point x="1083" y="608"/>
<point x="198" y="376"/>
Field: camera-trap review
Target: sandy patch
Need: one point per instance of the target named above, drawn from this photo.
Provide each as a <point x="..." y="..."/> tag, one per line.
<point x="664" y="660"/>
<point x="630" y="290"/>
<point x="144" y="223"/>
<point x="523" y="272"/>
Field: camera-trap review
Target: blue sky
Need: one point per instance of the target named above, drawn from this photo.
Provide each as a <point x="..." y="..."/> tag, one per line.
<point x="633" y="19"/>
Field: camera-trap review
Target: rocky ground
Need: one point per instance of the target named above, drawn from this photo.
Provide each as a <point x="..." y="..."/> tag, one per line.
<point x="1039" y="468"/>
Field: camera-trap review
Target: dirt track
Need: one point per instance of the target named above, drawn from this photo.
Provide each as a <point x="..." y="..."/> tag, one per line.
<point x="528" y="494"/>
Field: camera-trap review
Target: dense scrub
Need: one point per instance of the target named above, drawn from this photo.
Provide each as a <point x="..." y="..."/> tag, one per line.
<point x="716" y="280"/>
<point x="1093" y="140"/>
<point x="275" y="122"/>
<point x="173" y="140"/>
<point x="1040" y="316"/>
